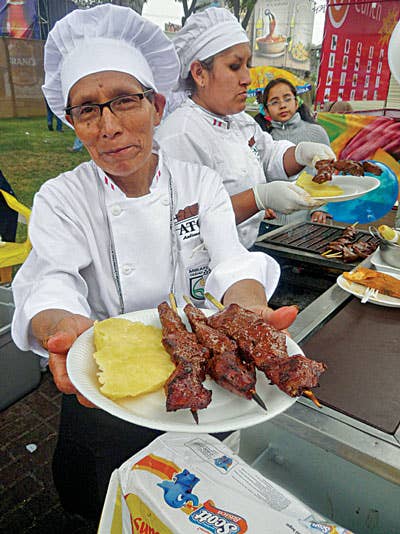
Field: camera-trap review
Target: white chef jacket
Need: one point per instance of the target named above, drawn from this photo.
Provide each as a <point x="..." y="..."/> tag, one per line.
<point x="235" y="146"/>
<point x="178" y="237"/>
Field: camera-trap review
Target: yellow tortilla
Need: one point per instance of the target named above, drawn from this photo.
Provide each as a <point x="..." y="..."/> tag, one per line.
<point x="326" y="189"/>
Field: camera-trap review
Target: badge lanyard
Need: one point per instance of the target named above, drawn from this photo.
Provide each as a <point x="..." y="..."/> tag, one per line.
<point x="112" y="248"/>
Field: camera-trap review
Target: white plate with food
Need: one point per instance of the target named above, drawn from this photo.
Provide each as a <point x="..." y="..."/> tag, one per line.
<point x="378" y="262"/>
<point x="358" y="291"/>
<point x="341" y="188"/>
<point x="226" y="411"/>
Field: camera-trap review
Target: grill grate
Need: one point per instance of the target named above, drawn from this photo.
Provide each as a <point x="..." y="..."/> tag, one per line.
<point x="312" y="237"/>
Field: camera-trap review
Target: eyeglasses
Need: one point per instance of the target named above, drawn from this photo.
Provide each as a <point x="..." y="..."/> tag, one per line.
<point x="276" y="102"/>
<point x="90" y="113"/>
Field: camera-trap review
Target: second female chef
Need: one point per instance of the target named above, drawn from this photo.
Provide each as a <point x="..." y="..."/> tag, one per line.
<point x="210" y="126"/>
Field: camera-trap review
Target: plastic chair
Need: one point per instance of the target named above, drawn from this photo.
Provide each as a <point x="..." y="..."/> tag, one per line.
<point x="13" y="253"/>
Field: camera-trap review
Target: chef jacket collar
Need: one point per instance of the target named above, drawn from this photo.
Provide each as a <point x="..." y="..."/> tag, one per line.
<point x="217" y="121"/>
<point x="113" y="192"/>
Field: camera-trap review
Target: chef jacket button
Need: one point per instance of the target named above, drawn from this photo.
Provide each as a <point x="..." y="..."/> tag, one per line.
<point x="116" y="210"/>
<point x="127" y="269"/>
<point x="165" y="201"/>
<point x="245" y="232"/>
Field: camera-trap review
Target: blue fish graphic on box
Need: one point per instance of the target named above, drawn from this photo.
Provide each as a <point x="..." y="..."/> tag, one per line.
<point x="178" y="491"/>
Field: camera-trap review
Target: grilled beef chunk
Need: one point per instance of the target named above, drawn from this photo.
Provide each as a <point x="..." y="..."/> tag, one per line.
<point x="265" y="346"/>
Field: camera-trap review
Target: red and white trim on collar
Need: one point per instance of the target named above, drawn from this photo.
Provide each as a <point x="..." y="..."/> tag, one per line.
<point x="110" y="184"/>
<point x="219" y="123"/>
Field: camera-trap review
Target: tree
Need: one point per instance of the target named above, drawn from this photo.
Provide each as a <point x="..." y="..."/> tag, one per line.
<point x="242" y="9"/>
<point x="187" y="9"/>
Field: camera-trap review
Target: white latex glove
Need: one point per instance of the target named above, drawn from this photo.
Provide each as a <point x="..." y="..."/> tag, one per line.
<point x="307" y="153"/>
<point x="285" y="197"/>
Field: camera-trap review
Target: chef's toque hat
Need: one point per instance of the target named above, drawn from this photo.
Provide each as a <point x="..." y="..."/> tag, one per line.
<point x="205" y="34"/>
<point x="106" y="37"/>
<point x="394" y="53"/>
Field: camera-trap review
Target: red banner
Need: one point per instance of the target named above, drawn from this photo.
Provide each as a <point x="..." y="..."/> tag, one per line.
<point x="354" y="63"/>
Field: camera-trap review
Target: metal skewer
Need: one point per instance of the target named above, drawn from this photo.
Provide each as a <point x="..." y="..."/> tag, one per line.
<point x="256" y="397"/>
<point x="172" y="301"/>
<point x="307" y="392"/>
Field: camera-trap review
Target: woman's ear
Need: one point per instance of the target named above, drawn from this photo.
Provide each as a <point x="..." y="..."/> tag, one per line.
<point x="298" y="102"/>
<point x="198" y="73"/>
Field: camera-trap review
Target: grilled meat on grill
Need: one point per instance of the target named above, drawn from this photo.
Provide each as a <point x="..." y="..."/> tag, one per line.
<point x="350" y="249"/>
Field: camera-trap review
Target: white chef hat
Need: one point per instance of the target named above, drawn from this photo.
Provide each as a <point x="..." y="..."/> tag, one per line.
<point x="205" y="34"/>
<point x="394" y="53"/>
<point x="106" y="37"/>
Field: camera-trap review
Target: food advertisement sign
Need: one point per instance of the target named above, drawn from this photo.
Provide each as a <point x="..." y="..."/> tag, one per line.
<point x="282" y="33"/>
<point x="354" y="63"/>
<point x="19" y="19"/>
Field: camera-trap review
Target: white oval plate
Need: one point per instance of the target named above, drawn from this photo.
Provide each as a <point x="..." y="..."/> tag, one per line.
<point x="358" y="291"/>
<point x="226" y="411"/>
<point x="377" y="260"/>
<point x="353" y="187"/>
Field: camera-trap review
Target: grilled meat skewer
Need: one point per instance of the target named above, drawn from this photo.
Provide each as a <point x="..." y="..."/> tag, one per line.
<point x="350" y="249"/>
<point x="184" y="387"/>
<point x="224" y="366"/>
<point x="326" y="168"/>
<point x="264" y="345"/>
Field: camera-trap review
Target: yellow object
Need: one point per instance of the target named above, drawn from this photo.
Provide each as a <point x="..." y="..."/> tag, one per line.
<point x="390" y="234"/>
<point x="143" y="517"/>
<point x="15" y="253"/>
<point x="260" y="76"/>
<point x="384" y="283"/>
<point x="305" y="181"/>
<point x="384" y="157"/>
<point x="114" y="331"/>
<point x="131" y="358"/>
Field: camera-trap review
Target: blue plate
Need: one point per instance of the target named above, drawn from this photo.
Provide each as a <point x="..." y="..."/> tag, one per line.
<point x="371" y="206"/>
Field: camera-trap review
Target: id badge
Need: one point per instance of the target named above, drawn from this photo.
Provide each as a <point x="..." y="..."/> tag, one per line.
<point x="197" y="276"/>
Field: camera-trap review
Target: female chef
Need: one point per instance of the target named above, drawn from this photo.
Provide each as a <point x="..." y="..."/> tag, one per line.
<point x="210" y="126"/>
<point x="119" y="232"/>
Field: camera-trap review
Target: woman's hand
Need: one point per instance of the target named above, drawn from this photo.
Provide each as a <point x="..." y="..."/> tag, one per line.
<point x="280" y="318"/>
<point x="250" y="294"/>
<point x="285" y="197"/>
<point x="269" y="214"/>
<point x="320" y="217"/>
<point x="57" y="330"/>
<point x="307" y="153"/>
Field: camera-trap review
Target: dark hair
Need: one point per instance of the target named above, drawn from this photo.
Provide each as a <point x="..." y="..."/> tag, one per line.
<point x="303" y="109"/>
<point x="190" y="84"/>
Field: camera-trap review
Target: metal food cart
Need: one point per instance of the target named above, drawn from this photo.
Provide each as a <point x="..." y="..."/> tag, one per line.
<point x="342" y="460"/>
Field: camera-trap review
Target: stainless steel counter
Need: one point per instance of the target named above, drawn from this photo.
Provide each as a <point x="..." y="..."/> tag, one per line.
<point x="359" y="443"/>
<point x="343" y="468"/>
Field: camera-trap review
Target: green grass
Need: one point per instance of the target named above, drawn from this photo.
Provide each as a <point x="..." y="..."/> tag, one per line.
<point x="30" y="155"/>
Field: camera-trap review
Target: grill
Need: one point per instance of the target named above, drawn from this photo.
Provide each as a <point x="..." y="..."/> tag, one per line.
<point x="306" y="241"/>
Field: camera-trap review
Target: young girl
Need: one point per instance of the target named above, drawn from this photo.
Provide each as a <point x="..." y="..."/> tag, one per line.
<point x="292" y="121"/>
